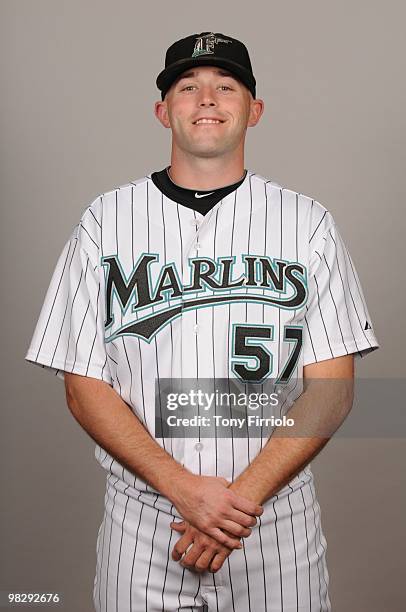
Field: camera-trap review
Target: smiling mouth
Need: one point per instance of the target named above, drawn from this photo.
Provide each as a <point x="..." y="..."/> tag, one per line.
<point x="208" y="122"/>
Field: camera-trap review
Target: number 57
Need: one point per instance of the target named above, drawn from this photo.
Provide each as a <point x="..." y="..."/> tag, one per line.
<point x="245" y="347"/>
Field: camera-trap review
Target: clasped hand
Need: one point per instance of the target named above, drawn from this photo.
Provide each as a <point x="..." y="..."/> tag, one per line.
<point x="215" y="520"/>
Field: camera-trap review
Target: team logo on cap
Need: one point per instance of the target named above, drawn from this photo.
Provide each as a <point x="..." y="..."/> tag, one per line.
<point x="205" y="44"/>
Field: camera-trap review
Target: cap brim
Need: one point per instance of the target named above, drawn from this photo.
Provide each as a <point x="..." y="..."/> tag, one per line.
<point x="167" y="77"/>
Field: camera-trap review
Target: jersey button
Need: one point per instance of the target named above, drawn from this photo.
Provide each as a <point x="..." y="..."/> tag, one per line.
<point x="194" y="222"/>
<point x="199" y="446"/>
<point x="198" y="246"/>
<point x="196" y="329"/>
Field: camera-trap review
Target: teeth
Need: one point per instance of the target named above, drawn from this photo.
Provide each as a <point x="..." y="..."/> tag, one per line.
<point x="207" y="121"/>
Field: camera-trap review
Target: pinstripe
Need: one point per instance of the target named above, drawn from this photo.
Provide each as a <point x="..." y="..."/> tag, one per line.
<point x="104" y="365"/>
<point x="108" y="556"/>
<point x="155" y="340"/>
<point x="181" y="263"/>
<point x="181" y="587"/>
<point x="84" y="317"/>
<point x="246" y="575"/>
<point x="150" y="560"/>
<point x="135" y="551"/>
<point x="197" y="364"/>
<point x="246" y="386"/>
<point x="196" y="345"/>
<point x="215" y="593"/>
<point x="166" y="260"/>
<point x="306" y="471"/>
<point x="263" y="290"/>
<point x="117" y="364"/>
<point x="307" y="547"/>
<point x="88" y="233"/>
<point x="95" y="332"/>
<point x="288" y="496"/>
<point x="56" y="295"/>
<point x="60" y="330"/>
<point x="323" y="548"/>
<point x="317" y="226"/>
<point x="246" y="303"/>
<point x="79" y="333"/>
<point x="343" y="286"/>
<point x="262" y="390"/>
<point x="71" y="310"/>
<point x="335" y="306"/>
<point x="166" y="566"/>
<point x="214" y="348"/>
<point x="294" y="549"/>
<point x="228" y="337"/>
<point x="121" y="543"/>
<point x="321" y="314"/>
<point x="278" y="549"/>
<point x="93" y="215"/>
<point x="354" y="277"/>
<point x="291" y="392"/>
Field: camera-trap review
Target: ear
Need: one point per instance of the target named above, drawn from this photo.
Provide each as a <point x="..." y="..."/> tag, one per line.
<point x="161" y="112"/>
<point x="256" y="110"/>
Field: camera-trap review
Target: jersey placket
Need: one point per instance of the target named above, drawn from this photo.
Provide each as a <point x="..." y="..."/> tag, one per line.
<point x="193" y="446"/>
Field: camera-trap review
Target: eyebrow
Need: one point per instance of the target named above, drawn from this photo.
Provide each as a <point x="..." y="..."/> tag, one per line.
<point x="192" y="73"/>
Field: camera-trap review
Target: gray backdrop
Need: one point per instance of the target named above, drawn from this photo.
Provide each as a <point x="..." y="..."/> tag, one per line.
<point x="77" y="94"/>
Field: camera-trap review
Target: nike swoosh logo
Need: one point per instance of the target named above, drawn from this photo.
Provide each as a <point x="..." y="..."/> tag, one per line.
<point x="202" y="195"/>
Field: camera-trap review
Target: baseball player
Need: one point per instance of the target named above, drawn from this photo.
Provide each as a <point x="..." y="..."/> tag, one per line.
<point x="204" y="270"/>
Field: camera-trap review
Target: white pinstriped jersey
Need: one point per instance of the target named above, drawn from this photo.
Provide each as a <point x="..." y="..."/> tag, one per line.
<point x="146" y="288"/>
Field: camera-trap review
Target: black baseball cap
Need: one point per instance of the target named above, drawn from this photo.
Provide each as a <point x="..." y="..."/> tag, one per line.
<point x="206" y="49"/>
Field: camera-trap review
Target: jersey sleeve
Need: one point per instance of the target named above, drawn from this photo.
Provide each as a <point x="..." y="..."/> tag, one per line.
<point x="336" y="321"/>
<point x="69" y="334"/>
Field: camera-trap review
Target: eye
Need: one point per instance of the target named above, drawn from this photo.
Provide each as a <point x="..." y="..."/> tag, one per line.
<point x="221" y="86"/>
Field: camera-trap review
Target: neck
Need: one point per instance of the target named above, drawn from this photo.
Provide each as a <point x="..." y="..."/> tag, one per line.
<point x="205" y="174"/>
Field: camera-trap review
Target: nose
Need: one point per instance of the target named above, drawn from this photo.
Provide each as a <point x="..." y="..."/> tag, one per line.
<point x="207" y="96"/>
<point x="207" y="102"/>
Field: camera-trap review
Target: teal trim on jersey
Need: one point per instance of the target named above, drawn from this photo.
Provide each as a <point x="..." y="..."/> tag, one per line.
<point x="243" y="299"/>
<point x="117" y="334"/>
<point x="237" y="361"/>
<point x="302" y="276"/>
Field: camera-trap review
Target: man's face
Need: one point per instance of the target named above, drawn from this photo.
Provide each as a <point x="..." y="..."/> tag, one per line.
<point x="208" y="92"/>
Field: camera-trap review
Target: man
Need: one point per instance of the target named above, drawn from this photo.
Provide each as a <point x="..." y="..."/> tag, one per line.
<point x="206" y="271"/>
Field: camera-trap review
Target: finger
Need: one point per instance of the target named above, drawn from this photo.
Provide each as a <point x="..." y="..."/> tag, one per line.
<point x="245" y="520"/>
<point x="222" y="538"/>
<point x="181" y="546"/>
<point x="192" y="554"/>
<point x="202" y="564"/>
<point x="217" y="562"/>
<point x="246" y="505"/>
<point x="235" y="529"/>
<point x="179" y="527"/>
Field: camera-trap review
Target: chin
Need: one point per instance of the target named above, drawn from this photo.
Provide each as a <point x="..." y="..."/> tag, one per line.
<point x="208" y="153"/>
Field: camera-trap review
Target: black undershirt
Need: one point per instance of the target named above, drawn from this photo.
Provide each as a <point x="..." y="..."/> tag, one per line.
<point x="187" y="197"/>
